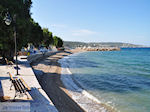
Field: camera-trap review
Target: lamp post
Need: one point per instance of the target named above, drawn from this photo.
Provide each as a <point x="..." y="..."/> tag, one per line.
<point x="8" y="21"/>
<point x="15" y="39"/>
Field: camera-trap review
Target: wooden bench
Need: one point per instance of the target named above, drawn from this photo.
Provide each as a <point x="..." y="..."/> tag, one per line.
<point x="9" y="62"/>
<point x="20" y="86"/>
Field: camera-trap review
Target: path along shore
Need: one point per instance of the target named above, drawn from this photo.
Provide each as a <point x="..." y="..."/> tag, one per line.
<point x="38" y="100"/>
<point x="48" y="72"/>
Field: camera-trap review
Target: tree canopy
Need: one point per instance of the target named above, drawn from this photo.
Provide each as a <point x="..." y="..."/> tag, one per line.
<point x="21" y="9"/>
<point x="58" y="42"/>
<point x="28" y="31"/>
<point x="47" y="37"/>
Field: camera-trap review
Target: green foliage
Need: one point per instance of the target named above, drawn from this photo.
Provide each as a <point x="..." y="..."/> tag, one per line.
<point x="47" y="37"/>
<point x="28" y="31"/>
<point x="22" y="11"/>
<point x="58" y="41"/>
<point x="36" y="34"/>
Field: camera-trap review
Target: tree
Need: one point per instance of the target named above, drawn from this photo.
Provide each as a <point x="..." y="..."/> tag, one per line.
<point x="36" y="34"/>
<point x="47" y="37"/>
<point x="58" y="42"/>
<point x="21" y="8"/>
<point x="28" y="31"/>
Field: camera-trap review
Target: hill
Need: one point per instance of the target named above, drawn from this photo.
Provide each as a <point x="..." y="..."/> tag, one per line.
<point x="73" y="44"/>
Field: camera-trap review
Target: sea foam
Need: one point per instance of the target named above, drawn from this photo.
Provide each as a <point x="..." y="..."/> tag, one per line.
<point x="87" y="101"/>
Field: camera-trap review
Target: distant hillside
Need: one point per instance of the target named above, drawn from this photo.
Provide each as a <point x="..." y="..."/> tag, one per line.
<point x="72" y="44"/>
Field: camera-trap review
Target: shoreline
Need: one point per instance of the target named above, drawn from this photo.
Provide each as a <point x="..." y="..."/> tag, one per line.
<point x="49" y="74"/>
<point x="79" y="94"/>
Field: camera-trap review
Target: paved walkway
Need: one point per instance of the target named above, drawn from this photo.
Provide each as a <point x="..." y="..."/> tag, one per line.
<point x="39" y="100"/>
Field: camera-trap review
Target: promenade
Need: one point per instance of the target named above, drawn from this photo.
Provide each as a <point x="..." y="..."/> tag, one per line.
<point x="38" y="99"/>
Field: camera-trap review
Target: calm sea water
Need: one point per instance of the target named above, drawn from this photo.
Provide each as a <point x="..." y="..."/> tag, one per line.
<point x="118" y="78"/>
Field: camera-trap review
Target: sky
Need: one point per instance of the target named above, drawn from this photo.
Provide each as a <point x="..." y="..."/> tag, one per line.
<point x="95" y="20"/>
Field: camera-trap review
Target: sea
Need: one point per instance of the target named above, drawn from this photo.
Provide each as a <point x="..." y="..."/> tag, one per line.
<point x="120" y="79"/>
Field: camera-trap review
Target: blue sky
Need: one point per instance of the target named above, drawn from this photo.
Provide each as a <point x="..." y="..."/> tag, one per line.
<point x="95" y="20"/>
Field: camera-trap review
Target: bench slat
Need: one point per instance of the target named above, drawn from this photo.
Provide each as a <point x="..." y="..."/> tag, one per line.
<point x="11" y="78"/>
<point x="16" y="86"/>
<point x="22" y="89"/>
<point x="28" y="88"/>
<point x="22" y="84"/>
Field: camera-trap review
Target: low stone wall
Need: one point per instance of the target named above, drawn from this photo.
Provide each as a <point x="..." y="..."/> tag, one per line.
<point x="35" y="57"/>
